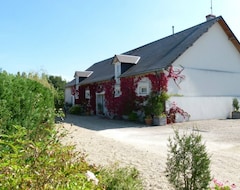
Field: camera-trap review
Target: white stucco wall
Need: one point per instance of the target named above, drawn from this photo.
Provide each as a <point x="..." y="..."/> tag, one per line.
<point x="68" y="95"/>
<point x="201" y="108"/>
<point x="211" y="67"/>
<point x="212" y="75"/>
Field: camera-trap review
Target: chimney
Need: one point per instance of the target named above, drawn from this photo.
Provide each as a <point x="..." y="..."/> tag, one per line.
<point x="210" y="17"/>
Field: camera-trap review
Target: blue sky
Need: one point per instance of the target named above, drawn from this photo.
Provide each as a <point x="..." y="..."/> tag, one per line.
<point x="59" y="37"/>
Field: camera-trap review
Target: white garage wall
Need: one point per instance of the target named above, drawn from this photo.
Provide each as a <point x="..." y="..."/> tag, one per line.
<point x="211" y="67"/>
<point x="201" y="108"/>
<point x="68" y="95"/>
<point x="212" y="76"/>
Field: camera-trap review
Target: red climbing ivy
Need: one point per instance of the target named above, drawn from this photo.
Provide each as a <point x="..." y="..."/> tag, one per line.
<point x="128" y="101"/>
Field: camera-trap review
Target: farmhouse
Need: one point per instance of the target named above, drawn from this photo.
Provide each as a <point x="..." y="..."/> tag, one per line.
<point x="199" y="67"/>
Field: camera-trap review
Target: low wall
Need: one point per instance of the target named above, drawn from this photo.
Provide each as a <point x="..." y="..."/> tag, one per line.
<point x="201" y="108"/>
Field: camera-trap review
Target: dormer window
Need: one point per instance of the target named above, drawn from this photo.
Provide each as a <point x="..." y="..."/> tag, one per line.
<point x="122" y="63"/>
<point x="81" y="75"/>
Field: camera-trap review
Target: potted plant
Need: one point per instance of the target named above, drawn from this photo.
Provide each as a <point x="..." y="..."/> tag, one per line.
<point x="148" y="120"/>
<point x="158" y="102"/>
<point x="235" y="113"/>
<point x="148" y="113"/>
<point x="173" y="111"/>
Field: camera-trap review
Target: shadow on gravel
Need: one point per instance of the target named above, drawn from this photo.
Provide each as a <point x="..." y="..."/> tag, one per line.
<point x="98" y="123"/>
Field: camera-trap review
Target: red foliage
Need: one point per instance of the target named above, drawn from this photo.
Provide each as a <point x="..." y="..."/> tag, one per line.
<point x="176" y="110"/>
<point x="128" y="101"/>
<point x="175" y="75"/>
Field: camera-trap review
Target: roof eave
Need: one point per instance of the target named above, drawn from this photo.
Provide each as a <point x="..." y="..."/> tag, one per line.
<point x="229" y="33"/>
<point x="95" y="81"/>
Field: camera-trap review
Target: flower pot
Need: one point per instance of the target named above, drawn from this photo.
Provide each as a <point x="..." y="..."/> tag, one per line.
<point x="159" y="120"/>
<point x="235" y="115"/>
<point x="148" y="121"/>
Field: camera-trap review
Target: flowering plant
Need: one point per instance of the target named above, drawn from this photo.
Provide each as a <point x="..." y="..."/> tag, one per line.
<point x="174" y="109"/>
<point x="218" y="185"/>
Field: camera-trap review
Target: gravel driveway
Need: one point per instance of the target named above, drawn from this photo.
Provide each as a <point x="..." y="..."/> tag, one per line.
<point x="109" y="141"/>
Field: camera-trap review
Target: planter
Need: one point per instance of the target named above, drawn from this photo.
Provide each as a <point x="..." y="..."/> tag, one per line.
<point x="235" y="115"/>
<point x="148" y="121"/>
<point x="158" y="120"/>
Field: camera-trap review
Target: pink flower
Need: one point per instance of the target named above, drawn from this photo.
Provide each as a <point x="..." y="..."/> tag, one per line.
<point x="218" y="183"/>
<point x="233" y="186"/>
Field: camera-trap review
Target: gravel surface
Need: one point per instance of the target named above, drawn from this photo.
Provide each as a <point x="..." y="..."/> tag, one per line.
<point x="132" y="144"/>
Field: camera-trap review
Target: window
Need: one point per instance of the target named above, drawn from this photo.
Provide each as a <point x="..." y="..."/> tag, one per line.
<point x="117" y="72"/>
<point x="117" y="91"/>
<point x="87" y="94"/>
<point x="143" y="88"/>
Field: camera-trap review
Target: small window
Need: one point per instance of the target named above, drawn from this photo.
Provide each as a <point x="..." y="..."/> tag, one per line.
<point x="117" y="91"/>
<point x="87" y="94"/>
<point x="143" y="90"/>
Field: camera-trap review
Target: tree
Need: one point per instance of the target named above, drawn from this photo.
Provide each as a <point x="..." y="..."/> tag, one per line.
<point x="59" y="85"/>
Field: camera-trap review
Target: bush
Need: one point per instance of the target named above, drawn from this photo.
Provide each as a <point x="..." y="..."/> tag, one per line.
<point x="133" y="116"/>
<point x="44" y="164"/>
<point x="25" y="102"/>
<point x="31" y="155"/>
<point x="188" y="162"/>
<point x="116" y="178"/>
<point x="235" y="104"/>
<point x="76" y="109"/>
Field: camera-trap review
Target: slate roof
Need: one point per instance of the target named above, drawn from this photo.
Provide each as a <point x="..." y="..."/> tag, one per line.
<point x="102" y="71"/>
<point x="159" y="54"/>
<point x="71" y="83"/>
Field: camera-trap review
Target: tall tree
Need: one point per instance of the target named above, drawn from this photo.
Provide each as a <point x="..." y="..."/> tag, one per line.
<point x="59" y="84"/>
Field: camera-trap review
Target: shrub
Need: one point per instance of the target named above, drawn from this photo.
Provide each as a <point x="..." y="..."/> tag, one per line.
<point x="116" y="178"/>
<point x="235" y="104"/>
<point x="25" y="102"/>
<point x="133" y="116"/>
<point x="76" y="109"/>
<point x="188" y="163"/>
<point x="31" y="155"/>
<point x="45" y="164"/>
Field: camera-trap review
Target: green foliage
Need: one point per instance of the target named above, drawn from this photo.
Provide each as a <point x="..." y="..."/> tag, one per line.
<point x="76" y="109"/>
<point x="188" y="162"/>
<point x="235" y="104"/>
<point x="31" y="155"/>
<point x="156" y="103"/>
<point x="117" y="178"/>
<point x="57" y="82"/>
<point x="45" y="164"/>
<point x="59" y="85"/>
<point x="25" y="102"/>
<point x="133" y="116"/>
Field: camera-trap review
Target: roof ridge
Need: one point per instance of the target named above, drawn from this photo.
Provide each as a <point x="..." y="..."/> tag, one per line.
<point x="135" y="49"/>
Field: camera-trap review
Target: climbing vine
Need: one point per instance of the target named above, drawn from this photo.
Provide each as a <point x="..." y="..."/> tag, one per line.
<point x="128" y="101"/>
